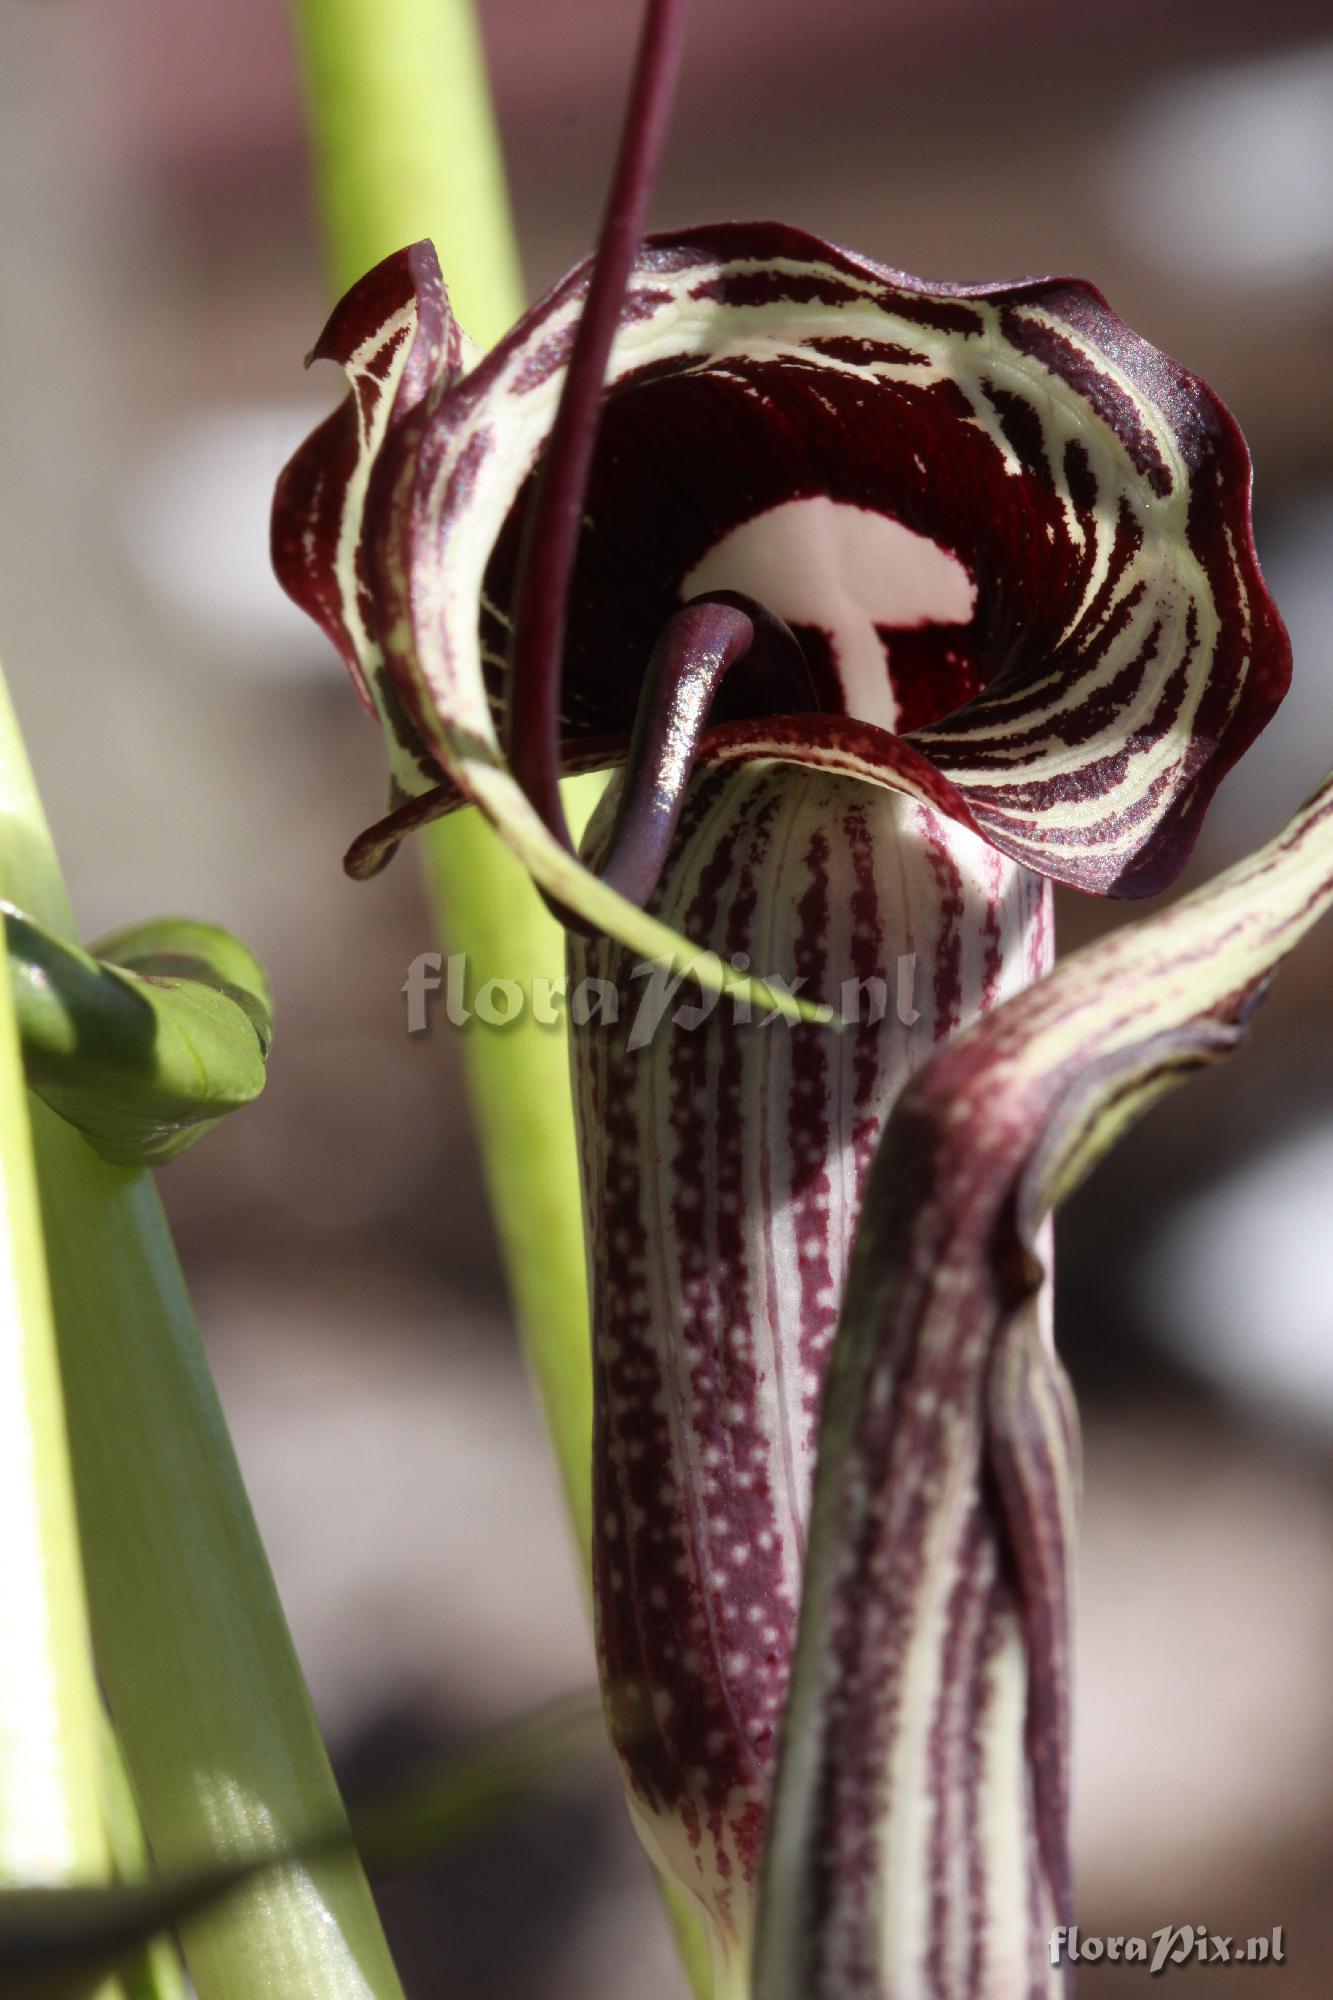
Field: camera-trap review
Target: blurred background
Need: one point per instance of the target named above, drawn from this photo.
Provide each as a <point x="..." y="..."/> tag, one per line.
<point x="199" y="751"/>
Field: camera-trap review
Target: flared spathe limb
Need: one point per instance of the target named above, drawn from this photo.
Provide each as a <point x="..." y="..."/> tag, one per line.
<point x="1104" y="651"/>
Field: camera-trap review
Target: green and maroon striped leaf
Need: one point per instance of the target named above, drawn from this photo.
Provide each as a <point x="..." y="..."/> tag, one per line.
<point x="918" y="1842"/>
<point x="724" y="1161"/>
<point x="1012" y="538"/>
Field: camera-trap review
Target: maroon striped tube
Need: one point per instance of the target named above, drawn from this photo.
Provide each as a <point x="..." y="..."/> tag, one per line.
<point x="724" y="1160"/>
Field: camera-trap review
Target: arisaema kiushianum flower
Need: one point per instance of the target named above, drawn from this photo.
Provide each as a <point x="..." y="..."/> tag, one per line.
<point x="891" y="603"/>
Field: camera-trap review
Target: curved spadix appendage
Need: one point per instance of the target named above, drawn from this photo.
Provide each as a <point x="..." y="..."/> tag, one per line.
<point x="917" y="1845"/>
<point x="724" y="1160"/>
<point x="714" y="641"/>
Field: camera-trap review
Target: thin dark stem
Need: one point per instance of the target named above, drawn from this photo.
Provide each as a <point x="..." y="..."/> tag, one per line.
<point x="542" y="599"/>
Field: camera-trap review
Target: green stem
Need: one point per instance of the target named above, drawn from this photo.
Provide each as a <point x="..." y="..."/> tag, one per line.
<point x="208" y="1700"/>
<point x="520" y="1091"/>
<point x="405" y="146"/>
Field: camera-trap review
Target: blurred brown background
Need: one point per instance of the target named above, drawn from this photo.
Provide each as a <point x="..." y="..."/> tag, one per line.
<point x="200" y="751"/>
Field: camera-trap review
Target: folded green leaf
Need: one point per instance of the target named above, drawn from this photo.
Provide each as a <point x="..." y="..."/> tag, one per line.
<point x="918" y="1841"/>
<point x="148" y="1040"/>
